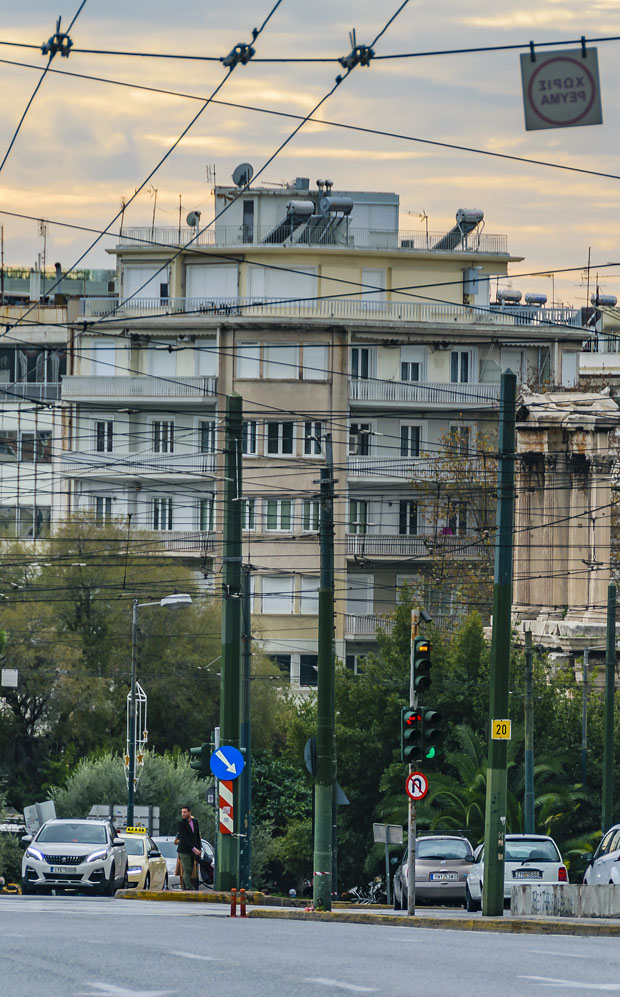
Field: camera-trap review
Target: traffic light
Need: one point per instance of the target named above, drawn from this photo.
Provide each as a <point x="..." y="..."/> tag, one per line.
<point x="421" y="664"/>
<point x="201" y="756"/>
<point x="432" y="735"/>
<point x="410" y="734"/>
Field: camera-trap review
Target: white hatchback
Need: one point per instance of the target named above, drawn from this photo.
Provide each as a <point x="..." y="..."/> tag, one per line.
<point x="605" y="866"/>
<point x="528" y="858"/>
<point x="82" y="855"/>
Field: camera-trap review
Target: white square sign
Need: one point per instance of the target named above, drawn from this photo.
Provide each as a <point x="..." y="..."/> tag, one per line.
<point x="561" y="89"/>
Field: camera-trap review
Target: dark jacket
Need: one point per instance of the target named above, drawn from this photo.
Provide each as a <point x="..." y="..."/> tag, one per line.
<point x="187" y="840"/>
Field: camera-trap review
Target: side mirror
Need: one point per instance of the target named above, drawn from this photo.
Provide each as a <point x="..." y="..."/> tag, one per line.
<point x="26" y="840"/>
<point x="470" y="859"/>
<point x="117" y="841"/>
<point x="154" y="853"/>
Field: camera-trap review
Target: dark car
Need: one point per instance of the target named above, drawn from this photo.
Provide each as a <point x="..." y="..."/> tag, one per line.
<point x="441" y="867"/>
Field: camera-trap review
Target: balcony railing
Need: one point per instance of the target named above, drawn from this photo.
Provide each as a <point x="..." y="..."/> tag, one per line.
<point x="425" y="392"/>
<point x="198" y="542"/>
<point x="114" y="465"/>
<point x="343" y="236"/>
<point x="30" y="391"/>
<point x="322" y="308"/>
<point x="420" y="545"/>
<point x="366" y="625"/>
<point x="414" y="468"/>
<point x="78" y="387"/>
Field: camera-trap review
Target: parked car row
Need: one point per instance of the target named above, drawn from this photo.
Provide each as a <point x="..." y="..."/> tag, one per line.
<point x="91" y="856"/>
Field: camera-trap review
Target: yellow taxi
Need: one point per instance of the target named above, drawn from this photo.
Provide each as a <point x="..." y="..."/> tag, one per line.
<point x="146" y="866"/>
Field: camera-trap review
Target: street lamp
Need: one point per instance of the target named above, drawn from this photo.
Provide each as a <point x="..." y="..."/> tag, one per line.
<point x="175" y="601"/>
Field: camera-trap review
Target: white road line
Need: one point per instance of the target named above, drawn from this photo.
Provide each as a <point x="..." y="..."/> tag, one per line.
<point x="560" y="955"/>
<point x="195" y="955"/>
<point x="550" y="981"/>
<point x="356" y="988"/>
<point x="112" y="991"/>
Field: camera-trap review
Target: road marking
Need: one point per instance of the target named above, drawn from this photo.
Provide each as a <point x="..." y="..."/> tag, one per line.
<point x="112" y="991"/>
<point x="550" y="981"/>
<point x="194" y="955"/>
<point x="560" y="955"/>
<point x="356" y="988"/>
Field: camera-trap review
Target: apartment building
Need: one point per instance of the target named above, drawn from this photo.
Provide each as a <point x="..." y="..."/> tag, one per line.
<point x="327" y="319"/>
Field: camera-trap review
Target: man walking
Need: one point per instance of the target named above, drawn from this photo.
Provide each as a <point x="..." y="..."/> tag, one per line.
<point x="189" y="845"/>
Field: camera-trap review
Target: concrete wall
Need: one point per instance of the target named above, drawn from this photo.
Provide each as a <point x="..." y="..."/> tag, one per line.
<point x="565" y="900"/>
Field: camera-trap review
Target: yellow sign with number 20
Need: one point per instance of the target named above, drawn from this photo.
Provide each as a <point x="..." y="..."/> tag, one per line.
<point x="500" y="730"/>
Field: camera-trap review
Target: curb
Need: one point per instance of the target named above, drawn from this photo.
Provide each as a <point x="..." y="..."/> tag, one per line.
<point x="508" y="925"/>
<point x="199" y="897"/>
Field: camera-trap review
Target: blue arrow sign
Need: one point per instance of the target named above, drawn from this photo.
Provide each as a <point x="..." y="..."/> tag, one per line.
<point x="227" y="762"/>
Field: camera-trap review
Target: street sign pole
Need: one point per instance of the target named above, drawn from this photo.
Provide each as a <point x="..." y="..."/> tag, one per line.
<point x="411" y="815"/>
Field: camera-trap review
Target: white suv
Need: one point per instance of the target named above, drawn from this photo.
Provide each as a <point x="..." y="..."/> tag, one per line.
<point x="527" y="858"/>
<point x="74" y="854"/>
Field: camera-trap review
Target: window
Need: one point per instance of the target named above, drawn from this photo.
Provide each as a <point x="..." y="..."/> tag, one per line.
<point x="410" y="370"/>
<point x="283" y="661"/>
<point x="141" y="282"/>
<point x="249" y="514"/>
<point x="460" y="364"/>
<point x="279" y="515"/>
<point x="104" y="358"/>
<point x="163" y="436"/>
<point x="409" y="441"/>
<point x="8" y="445"/>
<point x="311" y="516"/>
<point x="103" y="509"/>
<point x="288" y="285"/>
<point x="248" y="439"/>
<point x="36" y="447"/>
<point x="162" y="361"/>
<point x="248" y="221"/>
<point x="358" y="517"/>
<point x="280" y="437"/>
<point x="104" y="436"/>
<point x="24" y="521"/>
<point x="361" y="362"/>
<point x="460" y="440"/>
<point x="277" y="593"/>
<point x="206" y="434"/>
<point x="8" y="520"/>
<point x="281" y="362"/>
<point x="313" y="434"/>
<point x="248" y="360"/>
<point x="359" y="438"/>
<point x="407" y="517"/>
<point x="206" y="514"/>
<point x="211" y="281"/>
<point x="162" y="514"/>
<point x="205" y="358"/>
<point x="360" y="594"/>
<point x="316" y="362"/>
<point x="372" y="278"/>
<point x="457" y="519"/>
<point x="308" y="669"/>
<point x="309" y="597"/>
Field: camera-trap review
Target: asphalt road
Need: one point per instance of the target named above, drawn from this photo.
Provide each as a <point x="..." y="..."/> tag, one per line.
<point x="92" y="947"/>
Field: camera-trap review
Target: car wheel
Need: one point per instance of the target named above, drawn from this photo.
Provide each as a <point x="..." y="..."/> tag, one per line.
<point x="471" y="905"/>
<point x="147" y="882"/>
<point x="109" y="885"/>
<point x="166" y="885"/>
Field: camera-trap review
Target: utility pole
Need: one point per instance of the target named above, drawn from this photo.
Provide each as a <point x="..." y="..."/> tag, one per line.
<point x="607" y="816"/>
<point x="496" y="796"/>
<point x="411" y="812"/>
<point x="326" y="713"/>
<point x="228" y="850"/>
<point x="131" y="774"/>
<point x="529" y="823"/>
<point x="245" y="779"/>
<point x="584" y="717"/>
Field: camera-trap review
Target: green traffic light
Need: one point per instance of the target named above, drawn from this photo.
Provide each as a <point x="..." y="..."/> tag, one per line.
<point x="431" y="753"/>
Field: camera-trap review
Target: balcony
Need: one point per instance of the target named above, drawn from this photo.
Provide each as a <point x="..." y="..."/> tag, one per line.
<point x="92" y="388"/>
<point x="429" y="394"/>
<point x="30" y="391"/>
<point x="179" y="541"/>
<point x="420" y="546"/>
<point x="344" y="238"/>
<point x="108" y="465"/>
<point x="366" y="625"/>
<point x="414" y="468"/>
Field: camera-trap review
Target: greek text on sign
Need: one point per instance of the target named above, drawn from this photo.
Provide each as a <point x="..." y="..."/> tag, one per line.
<point x="501" y="730"/>
<point x="561" y="89"/>
<point x="416" y="786"/>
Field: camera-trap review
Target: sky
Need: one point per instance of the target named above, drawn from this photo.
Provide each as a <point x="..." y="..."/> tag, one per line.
<point x="85" y="145"/>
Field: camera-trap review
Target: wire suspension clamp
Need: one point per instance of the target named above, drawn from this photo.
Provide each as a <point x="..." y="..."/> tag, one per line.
<point x="360" y="55"/>
<point x="58" y="42"/>
<point x="241" y="53"/>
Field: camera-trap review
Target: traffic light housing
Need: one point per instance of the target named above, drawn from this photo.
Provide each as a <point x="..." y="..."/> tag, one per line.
<point x="421" y="664"/>
<point x="432" y="735"/>
<point x="201" y="759"/>
<point x="410" y="734"/>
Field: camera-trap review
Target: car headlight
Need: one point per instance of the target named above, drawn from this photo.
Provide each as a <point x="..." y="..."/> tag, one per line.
<point x="135" y="869"/>
<point x="34" y="853"/>
<point x="101" y="854"/>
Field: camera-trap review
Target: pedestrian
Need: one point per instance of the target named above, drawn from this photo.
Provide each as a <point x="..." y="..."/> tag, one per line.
<point x="189" y="846"/>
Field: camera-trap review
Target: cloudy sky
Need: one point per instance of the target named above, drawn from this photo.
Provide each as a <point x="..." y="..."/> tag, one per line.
<point x="85" y="145"/>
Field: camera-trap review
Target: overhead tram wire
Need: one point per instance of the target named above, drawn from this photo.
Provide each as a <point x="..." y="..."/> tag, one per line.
<point x="256" y="33"/>
<point x="53" y="52"/>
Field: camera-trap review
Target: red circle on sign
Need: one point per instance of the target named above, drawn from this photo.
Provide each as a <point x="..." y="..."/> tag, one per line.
<point x="545" y="65"/>
<point x="416" y="786"/>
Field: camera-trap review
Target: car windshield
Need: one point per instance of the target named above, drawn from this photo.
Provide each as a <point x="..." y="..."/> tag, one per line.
<point x="167" y="848"/>
<point x="531" y="850"/>
<point x="446" y="848"/>
<point x="83" y="834"/>
<point x="134" y="846"/>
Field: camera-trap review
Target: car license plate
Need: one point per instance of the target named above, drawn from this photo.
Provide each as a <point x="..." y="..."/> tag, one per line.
<point x="527" y="874"/>
<point x="443" y="876"/>
<point x="63" y="868"/>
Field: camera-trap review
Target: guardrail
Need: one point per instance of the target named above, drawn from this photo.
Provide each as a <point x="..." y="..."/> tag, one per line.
<point x="366" y="625"/>
<point x="426" y="392"/>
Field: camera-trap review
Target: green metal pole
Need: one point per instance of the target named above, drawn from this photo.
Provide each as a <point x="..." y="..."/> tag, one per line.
<point x="607" y="817"/>
<point x="228" y="871"/>
<point x="529" y="823"/>
<point x="131" y="768"/>
<point x="245" y="779"/>
<point x="325" y="753"/>
<point x="496" y="798"/>
<point x="584" y="717"/>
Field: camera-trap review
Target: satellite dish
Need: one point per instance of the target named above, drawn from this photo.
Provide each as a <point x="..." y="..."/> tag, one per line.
<point x="193" y="219"/>
<point x="242" y="174"/>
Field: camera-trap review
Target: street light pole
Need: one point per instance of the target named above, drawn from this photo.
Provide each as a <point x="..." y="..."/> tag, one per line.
<point x="131" y="777"/>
